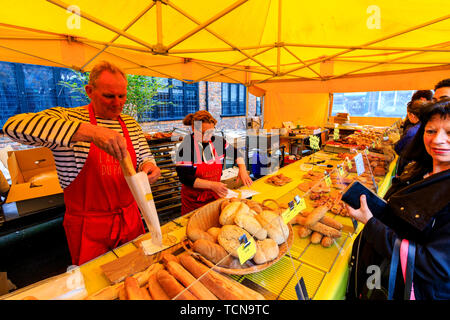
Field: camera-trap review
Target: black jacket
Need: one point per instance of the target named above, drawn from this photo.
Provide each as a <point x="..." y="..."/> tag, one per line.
<point x="419" y="211"/>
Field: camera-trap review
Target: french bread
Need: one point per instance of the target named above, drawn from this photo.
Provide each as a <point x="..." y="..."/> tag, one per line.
<point x="189" y="281"/>
<point x="321" y="228"/>
<point x="315" y="215"/>
<point x="132" y="289"/>
<point x="155" y="289"/>
<point x="166" y="257"/>
<point x="222" y="287"/>
<point x="331" y="222"/>
<point x="172" y="287"/>
<point x="145" y="294"/>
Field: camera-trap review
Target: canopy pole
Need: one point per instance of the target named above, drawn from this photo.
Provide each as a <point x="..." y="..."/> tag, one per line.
<point x="300" y="60"/>
<point x="220" y="73"/>
<point x="363" y="47"/>
<point x="279" y="38"/>
<point x="159" y="34"/>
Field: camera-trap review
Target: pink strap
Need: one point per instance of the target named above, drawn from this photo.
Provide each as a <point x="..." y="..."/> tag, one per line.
<point x="403" y="261"/>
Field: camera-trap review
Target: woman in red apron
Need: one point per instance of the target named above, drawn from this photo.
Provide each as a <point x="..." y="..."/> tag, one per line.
<point x="200" y="175"/>
<point x="101" y="212"/>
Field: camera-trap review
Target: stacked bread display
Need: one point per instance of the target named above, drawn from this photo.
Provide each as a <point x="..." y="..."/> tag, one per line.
<point x="219" y="243"/>
<point x="179" y="277"/>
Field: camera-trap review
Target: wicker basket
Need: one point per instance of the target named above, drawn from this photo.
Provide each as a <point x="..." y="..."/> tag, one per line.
<point x="207" y="217"/>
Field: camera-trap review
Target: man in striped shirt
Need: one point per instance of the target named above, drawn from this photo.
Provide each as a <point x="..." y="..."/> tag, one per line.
<point x="87" y="143"/>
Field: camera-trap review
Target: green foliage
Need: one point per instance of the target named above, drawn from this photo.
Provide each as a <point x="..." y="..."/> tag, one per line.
<point x="142" y="92"/>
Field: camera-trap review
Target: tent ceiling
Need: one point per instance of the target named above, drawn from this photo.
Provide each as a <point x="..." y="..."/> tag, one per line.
<point x="243" y="41"/>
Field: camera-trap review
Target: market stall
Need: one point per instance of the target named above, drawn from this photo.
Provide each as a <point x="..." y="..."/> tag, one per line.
<point x="322" y="267"/>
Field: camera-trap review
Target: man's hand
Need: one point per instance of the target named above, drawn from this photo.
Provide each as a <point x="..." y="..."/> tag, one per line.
<point x="243" y="175"/>
<point x="106" y="139"/>
<point x="363" y="214"/>
<point x="152" y="171"/>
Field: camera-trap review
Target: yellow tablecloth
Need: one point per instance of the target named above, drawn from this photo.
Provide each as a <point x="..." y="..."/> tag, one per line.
<point x="324" y="270"/>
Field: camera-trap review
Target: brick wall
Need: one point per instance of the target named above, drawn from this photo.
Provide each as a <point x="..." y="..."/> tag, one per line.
<point x="213" y="103"/>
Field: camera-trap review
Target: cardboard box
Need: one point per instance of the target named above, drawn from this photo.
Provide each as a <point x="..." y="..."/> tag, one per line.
<point x="26" y="164"/>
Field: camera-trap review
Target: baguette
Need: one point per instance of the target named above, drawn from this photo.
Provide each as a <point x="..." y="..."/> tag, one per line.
<point x="316" y="237"/>
<point x="222" y="287"/>
<point x="155" y="289"/>
<point x="172" y="287"/>
<point x="122" y="293"/>
<point x="326" y="230"/>
<point x="142" y="277"/>
<point x="108" y="293"/>
<point x="315" y="215"/>
<point x="189" y="281"/>
<point x="132" y="289"/>
<point x="331" y="222"/>
<point x="145" y="294"/>
<point x="166" y="257"/>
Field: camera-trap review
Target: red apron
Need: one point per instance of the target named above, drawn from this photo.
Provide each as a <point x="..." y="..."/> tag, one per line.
<point x="193" y="198"/>
<point x="101" y="212"/>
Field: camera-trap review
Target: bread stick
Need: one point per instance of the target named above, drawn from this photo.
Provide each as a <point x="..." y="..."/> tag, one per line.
<point x="172" y="287"/>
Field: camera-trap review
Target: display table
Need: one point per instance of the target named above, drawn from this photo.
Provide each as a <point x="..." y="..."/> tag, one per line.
<point x="324" y="270"/>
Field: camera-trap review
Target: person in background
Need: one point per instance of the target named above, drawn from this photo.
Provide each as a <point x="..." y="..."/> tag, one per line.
<point x="418" y="210"/>
<point x="87" y="143"/>
<point x="199" y="162"/>
<point x="442" y="90"/>
<point x="410" y="125"/>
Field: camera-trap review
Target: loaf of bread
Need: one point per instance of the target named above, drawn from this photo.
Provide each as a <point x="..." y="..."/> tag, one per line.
<point x="195" y="233"/>
<point x="214" y="231"/>
<point x="189" y="281"/>
<point x="229" y="238"/>
<point x="315" y="215"/>
<point x="275" y="226"/>
<point x="172" y="287"/>
<point x="215" y="253"/>
<point x="155" y="289"/>
<point x="266" y="250"/>
<point x="222" y="287"/>
<point x="229" y="212"/>
<point x="250" y="224"/>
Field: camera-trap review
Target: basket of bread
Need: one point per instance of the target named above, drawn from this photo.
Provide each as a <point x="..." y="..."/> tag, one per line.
<point x="213" y="233"/>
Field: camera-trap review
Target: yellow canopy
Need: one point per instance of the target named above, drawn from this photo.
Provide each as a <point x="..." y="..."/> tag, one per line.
<point x="319" y="45"/>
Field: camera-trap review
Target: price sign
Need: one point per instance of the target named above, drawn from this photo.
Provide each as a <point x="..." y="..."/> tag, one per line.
<point x="359" y="162"/>
<point x="327" y="180"/>
<point x="294" y="209"/>
<point x="314" y="142"/>
<point x="247" y="249"/>
<point x="341" y="171"/>
<point x="336" y="134"/>
<point x="366" y="151"/>
<point x="349" y="162"/>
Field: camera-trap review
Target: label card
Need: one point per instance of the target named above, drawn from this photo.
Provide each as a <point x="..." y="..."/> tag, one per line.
<point x="314" y="142"/>
<point x="336" y="134"/>
<point x="341" y="171"/>
<point x="359" y="162"/>
<point x="327" y="180"/>
<point x="294" y="209"/>
<point x="349" y="162"/>
<point x="246" y="250"/>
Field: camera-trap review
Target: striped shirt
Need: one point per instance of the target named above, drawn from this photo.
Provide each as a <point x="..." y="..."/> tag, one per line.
<point x="54" y="128"/>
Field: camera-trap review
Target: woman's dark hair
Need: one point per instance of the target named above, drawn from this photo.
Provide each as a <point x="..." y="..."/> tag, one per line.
<point x="427" y="94"/>
<point x="416" y="149"/>
<point x="201" y="115"/>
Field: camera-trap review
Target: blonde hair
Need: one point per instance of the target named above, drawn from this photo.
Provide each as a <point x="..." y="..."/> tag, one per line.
<point x="201" y="115"/>
<point x="103" y="66"/>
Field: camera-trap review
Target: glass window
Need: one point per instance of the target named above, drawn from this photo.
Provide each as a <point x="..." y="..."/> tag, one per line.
<point x="372" y="104"/>
<point x="258" y="106"/>
<point x="233" y="99"/>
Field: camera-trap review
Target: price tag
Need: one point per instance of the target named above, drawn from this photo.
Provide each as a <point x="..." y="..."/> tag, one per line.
<point x="359" y="162"/>
<point x="327" y="180"/>
<point x="341" y="171"/>
<point x="336" y="134"/>
<point x="294" y="209"/>
<point x="373" y="145"/>
<point x="246" y="250"/>
<point x="366" y="151"/>
<point x="349" y="162"/>
<point x="314" y="142"/>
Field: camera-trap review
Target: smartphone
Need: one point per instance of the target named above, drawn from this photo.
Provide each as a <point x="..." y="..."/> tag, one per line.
<point x="354" y="191"/>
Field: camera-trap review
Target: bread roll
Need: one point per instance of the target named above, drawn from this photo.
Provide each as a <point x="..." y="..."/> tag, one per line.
<point x="275" y="226"/>
<point x="304" y="232"/>
<point x="229" y="238"/>
<point x="224" y="203"/>
<point x="172" y="287"/>
<point x="317" y="214"/>
<point x="316" y="237"/>
<point x="214" y="253"/>
<point x="250" y="224"/>
<point x="196" y="233"/>
<point x="266" y="250"/>
<point x="229" y="212"/>
<point x="326" y="242"/>
<point x="214" y="231"/>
